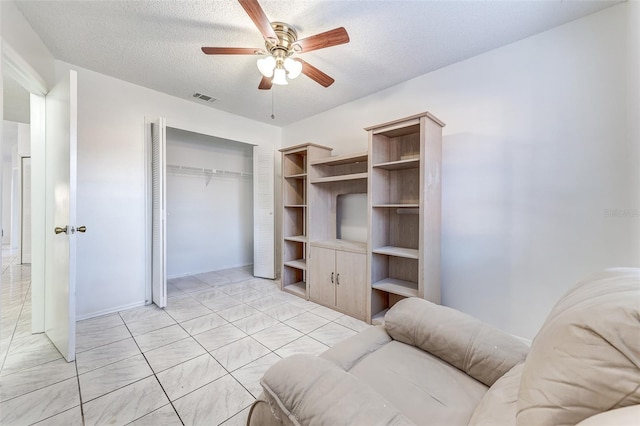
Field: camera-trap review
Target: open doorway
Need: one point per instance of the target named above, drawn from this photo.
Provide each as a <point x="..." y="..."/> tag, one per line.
<point x="16" y="172"/>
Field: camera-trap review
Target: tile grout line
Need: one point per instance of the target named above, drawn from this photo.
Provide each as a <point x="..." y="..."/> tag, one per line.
<point x="15" y="327"/>
<point x="155" y="376"/>
<point x="223" y="367"/>
<point x="79" y="392"/>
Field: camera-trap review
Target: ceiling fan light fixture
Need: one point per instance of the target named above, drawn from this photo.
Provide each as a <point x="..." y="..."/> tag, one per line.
<point x="267" y="65"/>
<point x="293" y="67"/>
<point x="280" y="77"/>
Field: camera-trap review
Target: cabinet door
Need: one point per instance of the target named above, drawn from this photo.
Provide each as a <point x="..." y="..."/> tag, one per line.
<point x="322" y="278"/>
<point x="351" y="280"/>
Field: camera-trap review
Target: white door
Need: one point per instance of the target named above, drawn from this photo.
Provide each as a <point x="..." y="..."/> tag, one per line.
<point x="25" y="245"/>
<point x="60" y="241"/>
<point x="158" y="134"/>
<point x="263" y="220"/>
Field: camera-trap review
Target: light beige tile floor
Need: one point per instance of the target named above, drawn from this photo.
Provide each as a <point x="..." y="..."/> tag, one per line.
<point x="199" y="361"/>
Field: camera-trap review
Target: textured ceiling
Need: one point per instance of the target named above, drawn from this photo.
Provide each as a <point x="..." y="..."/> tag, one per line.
<point x="156" y="44"/>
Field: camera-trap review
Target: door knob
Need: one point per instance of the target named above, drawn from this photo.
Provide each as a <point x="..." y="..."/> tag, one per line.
<point x="60" y="230"/>
<point x="82" y="228"/>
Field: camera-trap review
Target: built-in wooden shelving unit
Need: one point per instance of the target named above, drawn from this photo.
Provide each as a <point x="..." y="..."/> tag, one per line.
<point x="404" y="211"/>
<point x="295" y="217"/>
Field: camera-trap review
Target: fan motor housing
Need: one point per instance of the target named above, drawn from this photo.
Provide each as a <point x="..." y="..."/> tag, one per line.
<point x="287" y="36"/>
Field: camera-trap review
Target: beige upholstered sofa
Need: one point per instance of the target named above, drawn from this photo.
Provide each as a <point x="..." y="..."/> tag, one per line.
<point x="431" y="365"/>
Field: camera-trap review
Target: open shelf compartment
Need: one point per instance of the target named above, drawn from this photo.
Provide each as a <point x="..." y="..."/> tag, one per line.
<point x="339" y="168"/>
<point x="294" y="281"/>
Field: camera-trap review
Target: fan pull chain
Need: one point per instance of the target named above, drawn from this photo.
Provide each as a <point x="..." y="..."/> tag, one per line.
<point x="273" y="116"/>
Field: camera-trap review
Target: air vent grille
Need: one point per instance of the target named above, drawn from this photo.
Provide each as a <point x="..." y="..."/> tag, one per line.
<point x="203" y="97"/>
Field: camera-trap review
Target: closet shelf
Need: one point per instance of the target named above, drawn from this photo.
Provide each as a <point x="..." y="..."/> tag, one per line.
<point x="295" y="206"/>
<point x="398" y="252"/>
<point x="396" y="286"/>
<point x="187" y="171"/>
<point x="298" y="264"/>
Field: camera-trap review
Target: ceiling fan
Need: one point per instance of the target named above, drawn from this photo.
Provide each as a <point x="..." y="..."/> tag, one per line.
<point x="281" y="43"/>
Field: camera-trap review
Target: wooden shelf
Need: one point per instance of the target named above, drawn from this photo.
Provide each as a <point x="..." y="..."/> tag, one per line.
<point x="340" y="178"/>
<point x="298" y="176"/>
<point x="342" y="159"/>
<point x="378" y="318"/>
<point x="412" y="163"/>
<point x="298" y="264"/>
<point x="295" y="206"/>
<point x="398" y="252"/>
<point x="297" y="238"/>
<point x="395" y="286"/>
<point x="344" y="245"/>
<point x="298" y="288"/>
<point x="398" y="206"/>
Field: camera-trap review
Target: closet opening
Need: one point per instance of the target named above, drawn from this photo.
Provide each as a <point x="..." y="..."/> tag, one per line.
<point x="209" y="197"/>
<point x="209" y="204"/>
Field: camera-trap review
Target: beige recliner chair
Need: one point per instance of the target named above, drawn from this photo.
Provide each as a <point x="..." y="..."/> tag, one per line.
<point x="432" y="365"/>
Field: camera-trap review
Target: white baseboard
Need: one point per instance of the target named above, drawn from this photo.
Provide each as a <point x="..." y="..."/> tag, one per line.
<point x="109" y="311"/>
<point x="170" y="277"/>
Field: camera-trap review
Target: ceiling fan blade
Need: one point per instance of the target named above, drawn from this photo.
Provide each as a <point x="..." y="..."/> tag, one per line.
<point x="265" y="83"/>
<point x="257" y="15"/>
<point x="320" y="41"/>
<point x="315" y="74"/>
<point x="231" y="51"/>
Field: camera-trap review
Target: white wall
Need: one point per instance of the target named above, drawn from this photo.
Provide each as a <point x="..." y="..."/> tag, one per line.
<point x="21" y="38"/>
<point x="111" y="259"/>
<point x="209" y="221"/>
<point x="535" y="153"/>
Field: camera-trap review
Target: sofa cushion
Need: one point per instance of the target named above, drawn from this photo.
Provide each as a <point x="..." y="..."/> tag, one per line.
<point x="478" y="349"/>
<point x="500" y="404"/>
<point x="310" y="390"/>
<point x="586" y="357"/>
<point x="422" y="386"/>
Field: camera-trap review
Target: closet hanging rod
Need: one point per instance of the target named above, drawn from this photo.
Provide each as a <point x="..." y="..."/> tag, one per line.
<point x="199" y="171"/>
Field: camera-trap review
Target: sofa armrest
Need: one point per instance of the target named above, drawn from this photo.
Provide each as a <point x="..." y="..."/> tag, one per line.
<point x="312" y="390"/>
<point x="480" y="350"/>
<point x="349" y="352"/>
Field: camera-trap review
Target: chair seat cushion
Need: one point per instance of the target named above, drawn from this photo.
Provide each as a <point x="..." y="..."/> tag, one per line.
<point x="421" y="386"/>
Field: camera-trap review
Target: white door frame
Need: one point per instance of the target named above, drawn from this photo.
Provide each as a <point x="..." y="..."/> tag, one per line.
<point x="14" y="66"/>
<point x="21" y="216"/>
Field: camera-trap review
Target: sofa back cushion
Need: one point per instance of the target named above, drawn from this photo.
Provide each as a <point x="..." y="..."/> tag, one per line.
<point x="480" y="350"/>
<point x="586" y="357"/>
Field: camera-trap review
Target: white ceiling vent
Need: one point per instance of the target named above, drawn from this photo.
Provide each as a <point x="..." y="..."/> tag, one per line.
<point x="203" y="97"/>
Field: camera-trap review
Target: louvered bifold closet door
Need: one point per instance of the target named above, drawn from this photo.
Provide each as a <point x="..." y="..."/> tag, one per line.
<point x="263" y="218"/>
<point x="158" y="191"/>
